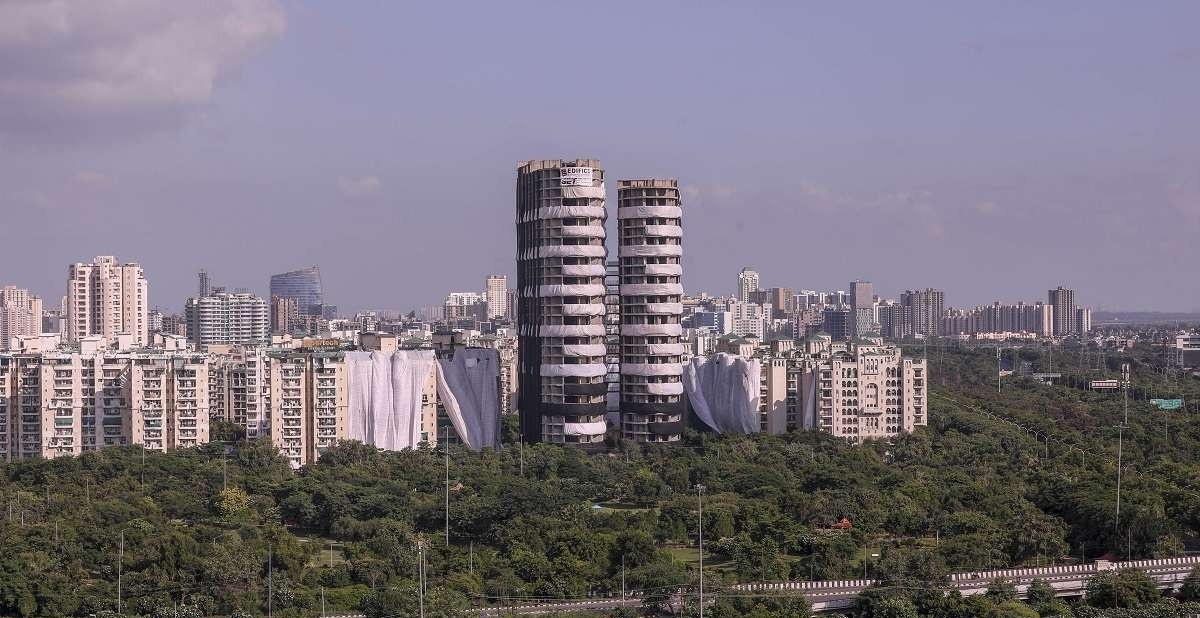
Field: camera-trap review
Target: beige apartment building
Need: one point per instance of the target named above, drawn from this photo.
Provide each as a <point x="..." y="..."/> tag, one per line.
<point x="67" y="403"/>
<point x="856" y="391"/>
<point x="107" y="299"/>
<point x="20" y="315"/>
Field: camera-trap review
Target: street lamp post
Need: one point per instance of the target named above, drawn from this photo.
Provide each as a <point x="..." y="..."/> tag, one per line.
<point x="700" y="502"/>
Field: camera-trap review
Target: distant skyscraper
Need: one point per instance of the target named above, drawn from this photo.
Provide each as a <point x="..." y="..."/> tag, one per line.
<point x="496" y="291"/>
<point x="925" y="309"/>
<point x="862" y="306"/>
<point x="465" y="305"/>
<point x="747" y="284"/>
<point x="1083" y="321"/>
<point x="107" y="299"/>
<point x="205" y="283"/>
<point x="649" y="220"/>
<point x="20" y="314"/>
<point x="1065" y="319"/>
<point x="285" y="315"/>
<point x="302" y="286"/>
<point x="227" y="318"/>
<point x="560" y="276"/>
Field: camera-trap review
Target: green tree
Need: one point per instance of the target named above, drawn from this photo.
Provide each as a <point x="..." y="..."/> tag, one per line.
<point x="1129" y="588"/>
<point x="1001" y="590"/>
<point x="1190" y="591"/>
<point x="1039" y="593"/>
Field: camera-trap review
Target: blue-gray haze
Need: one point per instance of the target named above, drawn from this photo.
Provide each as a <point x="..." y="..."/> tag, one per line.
<point x="991" y="149"/>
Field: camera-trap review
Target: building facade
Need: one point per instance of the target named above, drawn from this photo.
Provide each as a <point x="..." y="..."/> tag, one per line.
<point x="302" y="286"/>
<point x="227" y="318"/>
<point x="1065" y="320"/>
<point x="20" y="315"/>
<point x="106" y="298"/>
<point x="747" y="284"/>
<point x="560" y="278"/>
<point x="496" y="291"/>
<point x="650" y="230"/>
<point x="925" y="310"/>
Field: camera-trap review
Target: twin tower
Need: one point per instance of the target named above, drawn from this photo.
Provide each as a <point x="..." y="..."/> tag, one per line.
<point x="575" y="354"/>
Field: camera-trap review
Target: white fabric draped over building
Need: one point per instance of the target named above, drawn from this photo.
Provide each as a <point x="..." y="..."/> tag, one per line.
<point x="723" y="391"/>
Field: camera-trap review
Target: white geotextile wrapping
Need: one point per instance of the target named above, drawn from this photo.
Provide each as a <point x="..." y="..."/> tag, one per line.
<point x="577" y="289"/>
<point x="651" y="289"/>
<point x="571" y="251"/>
<point x="670" y="231"/>
<point x="664" y="308"/>
<point x="590" y="370"/>
<point x="574" y="192"/>
<point x="723" y="391"/>
<point x="385" y="396"/>
<point x="664" y="349"/>
<point x="664" y="388"/>
<point x="641" y="212"/>
<point x="589" y="231"/>
<point x="583" y="309"/>
<point x="650" y="250"/>
<point x="651" y="369"/>
<point x="468" y="388"/>
<point x="585" y="349"/>
<point x="583" y="270"/>
<point x="571" y="330"/>
<point x="585" y="429"/>
<point x="570" y="212"/>
<point x="664" y="269"/>
<point x="658" y="330"/>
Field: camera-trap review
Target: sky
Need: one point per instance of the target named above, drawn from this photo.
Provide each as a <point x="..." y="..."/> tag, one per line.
<point x="993" y="150"/>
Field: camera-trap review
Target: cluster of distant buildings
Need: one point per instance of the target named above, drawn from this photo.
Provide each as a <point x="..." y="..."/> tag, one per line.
<point x="585" y="343"/>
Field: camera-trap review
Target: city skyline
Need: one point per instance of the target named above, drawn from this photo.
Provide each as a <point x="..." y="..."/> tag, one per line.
<point x="991" y="150"/>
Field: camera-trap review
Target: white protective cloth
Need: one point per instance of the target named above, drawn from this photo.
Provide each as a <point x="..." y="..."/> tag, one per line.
<point x="571" y="330"/>
<point x="643" y="330"/>
<point x="669" y="231"/>
<point x="385" y="396"/>
<point x="664" y="349"/>
<point x="469" y="390"/>
<point x="590" y="192"/>
<point x="641" y="212"/>
<point x="585" y="429"/>
<point x="723" y="391"/>
<point x="651" y="250"/>
<point x="572" y="251"/>
<point x="664" y="269"/>
<point x="591" y="370"/>
<point x="570" y="212"/>
<point x="583" y="270"/>
<point x="587" y="231"/>
<point x="583" y="309"/>
<point x="585" y="349"/>
<point x="665" y="388"/>
<point x="586" y="289"/>
<point x="664" y="308"/>
<point x="651" y="289"/>
<point x="651" y="369"/>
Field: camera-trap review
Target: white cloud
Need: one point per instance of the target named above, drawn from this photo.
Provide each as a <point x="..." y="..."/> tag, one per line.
<point x="64" y="62"/>
<point x="357" y="187"/>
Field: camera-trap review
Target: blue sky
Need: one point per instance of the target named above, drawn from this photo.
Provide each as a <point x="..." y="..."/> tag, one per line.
<point x="992" y="151"/>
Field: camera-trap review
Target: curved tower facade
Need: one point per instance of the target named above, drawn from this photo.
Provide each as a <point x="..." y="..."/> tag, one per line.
<point x="560" y="311"/>
<point x="302" y="286"/>
<point x="650" y="224"/>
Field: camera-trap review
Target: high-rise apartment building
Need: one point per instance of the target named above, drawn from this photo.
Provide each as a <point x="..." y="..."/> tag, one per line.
<point x="496" y="291"/>
<point x="862" y="307"/>
<point x="205" y="287"/>
<point x="227" y="318"/>
<point x="747" y="284"/>
<point x="20" y="315"/>
<point x="465" y="305"/>
<point x="285" y="315"/>
<point x="925" y="310"/>
<point x="560" y="278"/>
<point x="302" y="286"/>
<point x="870" y="391"/>
<point x="66" y="403"/>
<point x="107" y="299"/>
<point x="1065" y="318"/>
<point x="649" y="223"/>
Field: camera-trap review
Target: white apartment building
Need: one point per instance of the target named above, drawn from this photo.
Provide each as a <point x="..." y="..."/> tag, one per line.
<point x="748" y="319"/>
<point x="107" y="299"/>
<point x="227" y="318"/>
<point x="459" y="305"/>
<point x="747" y="284"/>
<point x="20" y="315"/>
<point x="496" y="293"/>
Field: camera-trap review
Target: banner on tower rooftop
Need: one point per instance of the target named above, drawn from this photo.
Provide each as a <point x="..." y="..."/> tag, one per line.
<point x="575" y="177"/>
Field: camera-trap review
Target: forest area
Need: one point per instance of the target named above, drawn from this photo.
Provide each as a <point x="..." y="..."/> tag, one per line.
<point x="1021" y="477"/>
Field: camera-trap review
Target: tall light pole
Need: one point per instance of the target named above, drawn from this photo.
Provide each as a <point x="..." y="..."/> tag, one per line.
<point x="1121" y="440"/>
<point x="447" y="496"/>
<point x="700" y="501"/>
<point x="997" y="368"/>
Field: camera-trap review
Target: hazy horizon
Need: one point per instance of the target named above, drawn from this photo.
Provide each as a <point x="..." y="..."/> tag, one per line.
<point x="992" y="152"/>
